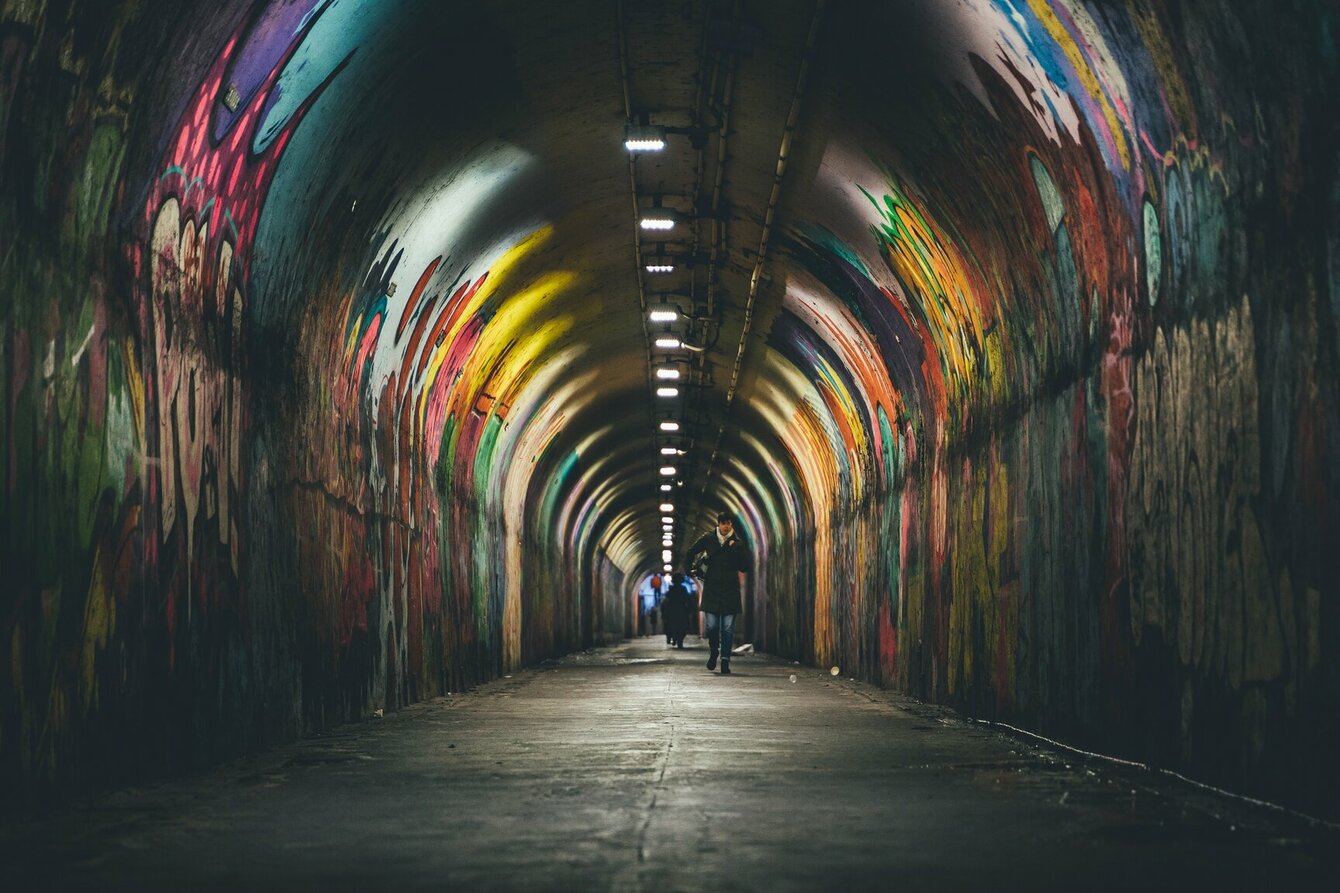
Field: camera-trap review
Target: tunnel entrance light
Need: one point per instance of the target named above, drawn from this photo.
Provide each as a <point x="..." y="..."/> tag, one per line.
<point x="667" y="506"/>
<point x="667" y="392"/>
<point x="643" y="138"/>
<point x="669" y="426"/>
<point x="667" y="373"/>
<point x="669" y="470"/>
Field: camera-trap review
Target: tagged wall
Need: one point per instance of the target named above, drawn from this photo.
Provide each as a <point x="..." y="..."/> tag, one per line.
<point x="324" y="376"/>
<point x="1060" y="393"/>
<point x="250" y="492"/>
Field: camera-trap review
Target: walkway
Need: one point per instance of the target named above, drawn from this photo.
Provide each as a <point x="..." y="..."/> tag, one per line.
<point x="633" y="768"/>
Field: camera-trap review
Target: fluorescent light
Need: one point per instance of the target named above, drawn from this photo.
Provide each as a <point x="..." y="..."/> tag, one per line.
<point x="669" y="567"/>
<point x="666" y="519"/>
<point x="643" y="138"/>
<point x="667" y="506"/>
<point x="644" y="145"/>
<point x="667" y="392"/>
<point x="666" y="488"/>
<point x="662" y="312"/>
<point x="667" y="373"/>
<point x="660" y="268"/>
<point x="667" y="343"/>
<point x="669" y="451"/>
<point x="666" y="555"/>
<point x="657" y="220"/>
<point x="669" y="470"/>
<point x="669" y="426"/>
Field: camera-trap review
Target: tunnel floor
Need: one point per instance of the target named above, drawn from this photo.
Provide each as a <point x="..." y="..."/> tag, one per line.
<point x="634" y="768"/>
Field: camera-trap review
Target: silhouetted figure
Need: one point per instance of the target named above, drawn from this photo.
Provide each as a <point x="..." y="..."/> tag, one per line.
<point x="677" y="609"/>
<point x="727" y="563"/>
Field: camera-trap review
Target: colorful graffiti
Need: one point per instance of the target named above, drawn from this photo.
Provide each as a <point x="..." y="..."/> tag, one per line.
<point x="1045" y="474"/>
<point x="311" y="405"/>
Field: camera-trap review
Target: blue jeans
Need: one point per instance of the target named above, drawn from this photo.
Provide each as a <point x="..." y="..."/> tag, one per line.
<point x="724" y="624"/>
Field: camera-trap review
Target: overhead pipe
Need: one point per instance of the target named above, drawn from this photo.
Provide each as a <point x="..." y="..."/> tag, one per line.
<point x="783" y="154"/>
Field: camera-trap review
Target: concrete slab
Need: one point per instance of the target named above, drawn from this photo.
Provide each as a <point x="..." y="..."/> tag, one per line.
<point x="634" y="768"/>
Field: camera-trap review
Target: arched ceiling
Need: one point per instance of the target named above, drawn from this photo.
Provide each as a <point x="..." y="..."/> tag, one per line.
<point x="452" y="240"/>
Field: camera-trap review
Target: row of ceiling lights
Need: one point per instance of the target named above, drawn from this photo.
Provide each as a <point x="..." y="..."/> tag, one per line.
<point x="639" y="138"/>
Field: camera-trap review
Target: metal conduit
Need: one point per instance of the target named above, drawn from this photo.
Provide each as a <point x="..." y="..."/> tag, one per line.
<point x="783" y="153"/>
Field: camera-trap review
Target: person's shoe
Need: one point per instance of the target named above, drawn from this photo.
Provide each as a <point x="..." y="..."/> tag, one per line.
<point x="712" y="661"/>
<point x="725" y="668"/>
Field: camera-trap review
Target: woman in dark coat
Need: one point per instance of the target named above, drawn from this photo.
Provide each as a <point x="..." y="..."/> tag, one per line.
<point x="677" y="609"/>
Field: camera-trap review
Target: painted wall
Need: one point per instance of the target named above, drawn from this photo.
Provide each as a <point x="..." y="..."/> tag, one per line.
<point x="316" y="405"/>
<point x="262" y="471"/>
<point x="1054" y="374"/>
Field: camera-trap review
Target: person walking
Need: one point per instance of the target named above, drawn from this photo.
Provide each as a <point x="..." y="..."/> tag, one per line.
<point x="676" y="610"/>
<point x="727" y="563"/>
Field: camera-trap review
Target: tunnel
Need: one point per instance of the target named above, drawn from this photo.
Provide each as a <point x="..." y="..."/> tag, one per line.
<point x="354" y="353"/>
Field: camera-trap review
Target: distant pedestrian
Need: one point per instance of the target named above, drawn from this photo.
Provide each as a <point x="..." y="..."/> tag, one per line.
<point x="677" y="609"/>
<point x="727" y="563"/>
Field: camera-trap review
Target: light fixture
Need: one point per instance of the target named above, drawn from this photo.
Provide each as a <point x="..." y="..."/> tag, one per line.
<point x="662" y="312"/>
<point x="669" y="451"/>
<point x="669" y="426"/>
<point x="667" y="343"/>
<point x="666" y="519"/>
<point x="643" y="138"/>
<point x="667" y="392"/>
<point x="657" y="220"/>
<point x="666" y="555"/>
<point x="660" y="268"/>
<point x="667" y="506"/>
<point x="667" y="373"/>
<point x="666" y="488"/>
<point x="669" y="471"/>
<point x="669" y="568"/>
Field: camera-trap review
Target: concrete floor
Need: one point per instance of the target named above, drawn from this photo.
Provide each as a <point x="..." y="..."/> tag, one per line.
<point x="633" y="768"/>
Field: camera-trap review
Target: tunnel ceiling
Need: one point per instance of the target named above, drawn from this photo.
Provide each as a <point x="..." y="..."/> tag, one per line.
<point x="451" y="248"/>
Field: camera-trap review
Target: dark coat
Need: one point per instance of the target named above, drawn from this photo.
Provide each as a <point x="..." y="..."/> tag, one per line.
<point x="677" y="608"/>
<point x="725" y="562"/>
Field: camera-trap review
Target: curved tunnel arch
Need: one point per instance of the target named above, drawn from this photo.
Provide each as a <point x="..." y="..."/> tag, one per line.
<point x="344" y="396"/>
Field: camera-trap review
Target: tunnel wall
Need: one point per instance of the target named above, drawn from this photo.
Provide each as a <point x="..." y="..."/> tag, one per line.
<point x="220" y="528"/>
<point x="1090" y="486"/>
